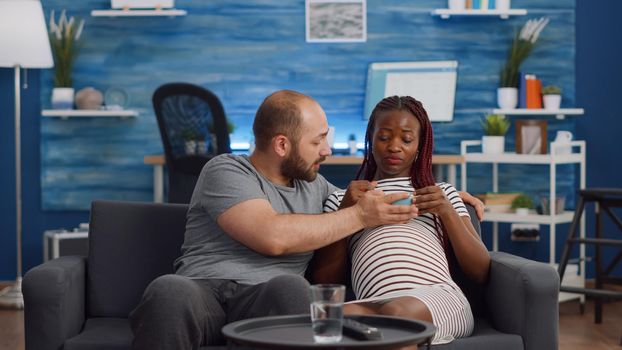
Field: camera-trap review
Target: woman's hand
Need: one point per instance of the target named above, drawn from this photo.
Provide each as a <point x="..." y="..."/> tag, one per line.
<point x="432" y="199"/>
<point x="356" y="189"/>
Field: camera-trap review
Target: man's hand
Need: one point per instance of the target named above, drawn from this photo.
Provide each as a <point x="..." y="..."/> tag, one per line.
<point x="375" y="209"/>
<point x="356" y="189"/>
<point x="432" y="199"/>
<point x="475" y="202"/>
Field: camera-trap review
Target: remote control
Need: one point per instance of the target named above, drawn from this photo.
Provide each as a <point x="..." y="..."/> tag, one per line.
<point x="360" y="331"/>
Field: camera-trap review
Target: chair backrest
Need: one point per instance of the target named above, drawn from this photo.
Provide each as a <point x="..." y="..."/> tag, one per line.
<point x="186" y="111"/>
<point x="193" y="128"/>
<point x="130" y="244"/>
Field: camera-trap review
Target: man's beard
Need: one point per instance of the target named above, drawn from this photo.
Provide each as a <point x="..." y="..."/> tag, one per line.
<point x="295" y="168"/>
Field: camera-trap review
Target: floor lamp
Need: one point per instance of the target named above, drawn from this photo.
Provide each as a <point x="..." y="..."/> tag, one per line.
<point x="24" y="43"/>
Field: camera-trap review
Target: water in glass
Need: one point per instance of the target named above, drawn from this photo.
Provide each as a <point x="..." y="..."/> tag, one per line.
<point x="327" y="321"/>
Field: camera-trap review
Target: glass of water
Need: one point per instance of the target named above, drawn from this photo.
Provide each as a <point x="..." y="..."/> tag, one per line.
<point x="327" y="312"/>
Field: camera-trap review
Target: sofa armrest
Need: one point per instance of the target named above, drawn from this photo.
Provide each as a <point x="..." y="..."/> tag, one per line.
<point x="54" y="302"/>
<point x="522" y="299"/>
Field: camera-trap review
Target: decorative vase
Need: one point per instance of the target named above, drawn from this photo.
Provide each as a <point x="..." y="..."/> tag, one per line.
<point x="456" y="4"/>
<point x="62" y="98"/>
<point x="352" y="147"/>
<point x="552" y="102"/>
<point x="493" y="144"/>
<point x="507" y="97"/>
<point x="89" y="98"/>
<point x="502" y="5"/>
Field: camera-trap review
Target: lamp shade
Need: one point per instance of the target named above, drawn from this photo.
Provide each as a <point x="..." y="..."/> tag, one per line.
<point x="23" y="35"/>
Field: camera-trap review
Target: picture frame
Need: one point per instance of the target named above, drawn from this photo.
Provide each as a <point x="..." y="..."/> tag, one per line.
<point x="531" y="136"/>
<point x="336" y="21"/>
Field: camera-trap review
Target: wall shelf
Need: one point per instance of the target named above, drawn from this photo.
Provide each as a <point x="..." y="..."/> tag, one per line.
<point x="503" y="14"/>
<point x="134" y="13"/>
<point x="558" y="113"/>
<point x="82" y="113"/>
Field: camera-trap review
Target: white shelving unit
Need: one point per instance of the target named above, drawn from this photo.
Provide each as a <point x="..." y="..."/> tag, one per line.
<point x="558" y="113"/>
<point x="142" y="13"/>
<point x="552" y="160"/>
<point x="503" y="14"/>
<point x="87" y="113"/>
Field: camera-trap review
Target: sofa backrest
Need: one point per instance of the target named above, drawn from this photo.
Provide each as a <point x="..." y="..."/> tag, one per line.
<point x="130" y="244"/>
<point x="472" y="290"/>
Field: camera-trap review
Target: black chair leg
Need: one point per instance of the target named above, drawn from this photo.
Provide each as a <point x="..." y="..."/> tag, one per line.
<point x="574" y="226"/>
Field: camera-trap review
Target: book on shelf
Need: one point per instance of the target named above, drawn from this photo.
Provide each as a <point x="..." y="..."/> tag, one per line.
<point x="534" y="92"/>
<point x="498" y="202"/>
<point x="480" y="4"/>
<point x="522" y="90"/>
<point x="529" y="91"/>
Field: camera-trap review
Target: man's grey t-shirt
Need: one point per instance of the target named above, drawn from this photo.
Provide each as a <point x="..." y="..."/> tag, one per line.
<point x="226" y="180"/>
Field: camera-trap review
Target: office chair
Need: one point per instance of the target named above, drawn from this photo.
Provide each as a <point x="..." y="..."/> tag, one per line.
<point x="193" y="128"/>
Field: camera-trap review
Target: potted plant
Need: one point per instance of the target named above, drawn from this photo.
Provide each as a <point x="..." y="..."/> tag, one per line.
<point x="194" y="142"/>
<point x="64" y="40"/>
<point x="507" y="93"/>
<point x="522" y="204"/>
<point x="552" y="97"/>
<point x="495" y="126"/>
<point x="212" y="133"/>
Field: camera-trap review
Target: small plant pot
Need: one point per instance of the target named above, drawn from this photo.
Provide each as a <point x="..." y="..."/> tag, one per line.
<point x="493" y="144"/>
<point x="62" y="98"/>
<point x="190" y="147"/>
<point x="507" y="97"/>
<point x="552" y="102"/>
<point x="503" y="5"/>
<point x="456" y="4"/>
<point x="522" y="211"/>
<point x="201" y="147"/>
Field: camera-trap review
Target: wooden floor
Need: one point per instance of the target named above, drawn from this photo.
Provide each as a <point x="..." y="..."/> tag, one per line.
<point x="576" y="331"/>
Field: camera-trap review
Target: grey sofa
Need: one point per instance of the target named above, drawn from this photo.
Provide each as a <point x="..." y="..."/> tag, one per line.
<point x="76" y="303"/>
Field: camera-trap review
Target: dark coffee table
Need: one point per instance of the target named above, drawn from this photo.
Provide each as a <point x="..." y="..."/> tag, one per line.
<point x="294" y="332"/>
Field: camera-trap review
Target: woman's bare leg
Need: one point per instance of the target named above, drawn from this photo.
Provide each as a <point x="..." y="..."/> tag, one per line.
<point x="408" y="307"/>
<point x="361" y="309"/>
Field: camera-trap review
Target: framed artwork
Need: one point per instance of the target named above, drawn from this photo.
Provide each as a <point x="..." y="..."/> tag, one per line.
<point x="531" y="137"/>
<point x="336" y="21"/>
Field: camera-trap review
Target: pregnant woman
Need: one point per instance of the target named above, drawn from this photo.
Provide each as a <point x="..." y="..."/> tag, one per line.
<point x="403" y="270"/>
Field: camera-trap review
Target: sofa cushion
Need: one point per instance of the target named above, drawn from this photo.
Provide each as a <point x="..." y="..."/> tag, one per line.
<point x="130" y="244"/>
<point x="116" y="334"/>
<point x="485" y="337"/>
<point x="103" y="334"/>
<point x="112" y="334"/>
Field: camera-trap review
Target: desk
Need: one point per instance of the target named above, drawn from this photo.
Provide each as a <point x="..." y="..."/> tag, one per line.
<point x="157" y="161"/>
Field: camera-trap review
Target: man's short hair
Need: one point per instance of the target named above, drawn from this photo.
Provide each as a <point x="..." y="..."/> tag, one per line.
<point x="279" y="114"/>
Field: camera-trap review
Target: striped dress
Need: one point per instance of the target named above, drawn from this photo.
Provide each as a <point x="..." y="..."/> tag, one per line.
<point x="393" y="261"/>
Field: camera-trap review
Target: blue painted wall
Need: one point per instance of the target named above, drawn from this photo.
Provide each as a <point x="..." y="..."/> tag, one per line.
<point x="598" y="79"/>
<point x="243" y="51"/>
